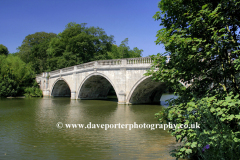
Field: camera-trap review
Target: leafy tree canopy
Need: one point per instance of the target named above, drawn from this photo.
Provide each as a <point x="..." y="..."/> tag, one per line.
<point x="15" y="75"/>
<point x="80" y="44"/>
<point x="3" y="50"/>
<point x="202" y="38"/>
<point x="75" y="45"/>
<point x="123" y="51"/>
<point x="34" y="50"/>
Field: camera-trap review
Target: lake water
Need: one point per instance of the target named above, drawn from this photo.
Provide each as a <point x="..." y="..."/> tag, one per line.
<point x="29" y="130"/>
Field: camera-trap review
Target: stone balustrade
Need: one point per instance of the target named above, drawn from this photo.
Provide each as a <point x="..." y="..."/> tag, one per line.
<point x="85" y="65"/>
<point x="55" y="72"/>
<point x="113" y="62"/>
<point x="139" y="60"/>
<point x="110" y="62"/>
<point x="68" y="69"/>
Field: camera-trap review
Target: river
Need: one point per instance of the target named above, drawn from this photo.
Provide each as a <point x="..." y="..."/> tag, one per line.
<point x="28" y="130"/>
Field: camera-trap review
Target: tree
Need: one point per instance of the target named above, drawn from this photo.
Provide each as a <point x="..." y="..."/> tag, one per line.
<point x="15" y="76"/>
<point x="124" y="51"/>
<point x="202" y="38"/>
<point x="3" y="50"/>
<point x="34" y="50"/>
<point x="78" y="44"/>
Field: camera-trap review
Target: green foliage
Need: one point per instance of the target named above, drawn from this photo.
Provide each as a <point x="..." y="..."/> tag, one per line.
<point x="15" y="76"/>
<point x="75" y="45"/>
<point x="202" y="38"/>
<point x="34" y="50"/>
<point x="33" y="91"/>
<point x="123" y="51"/>
<point x="219" y="121"/>
<point x="8" y="87"/>
<point x="78" y="44"/>
<point x="3" y="50"/>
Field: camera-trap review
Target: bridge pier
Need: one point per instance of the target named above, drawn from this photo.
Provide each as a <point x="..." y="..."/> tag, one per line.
<point x="74" y="77"/>
<point x="46" y="93"/>
<point x="73" y="95"/>
<point x="122" y="98"/>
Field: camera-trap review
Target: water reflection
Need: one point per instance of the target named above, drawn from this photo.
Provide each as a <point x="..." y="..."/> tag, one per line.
<point x="28" y="130"/>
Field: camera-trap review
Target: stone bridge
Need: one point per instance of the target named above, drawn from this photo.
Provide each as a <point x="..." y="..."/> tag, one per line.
<point x="93" y="80"/>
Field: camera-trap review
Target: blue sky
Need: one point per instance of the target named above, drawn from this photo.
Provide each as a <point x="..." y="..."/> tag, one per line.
<point x="121" y="18"/>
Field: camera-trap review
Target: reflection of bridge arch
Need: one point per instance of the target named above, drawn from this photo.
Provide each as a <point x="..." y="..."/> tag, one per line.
<point x="60" y="88"/>
<point x="95" y="86"/>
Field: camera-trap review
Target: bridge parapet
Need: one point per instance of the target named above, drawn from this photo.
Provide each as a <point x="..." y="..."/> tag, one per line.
<point x="95" y="64"/>
<point x="85" y="65"/>
<point x="142" y="60"/>
<point x="68" y="69"/>
<point x="54" y="72"/>
<point x="44" y="74"/>
<point x="110" y="62"/>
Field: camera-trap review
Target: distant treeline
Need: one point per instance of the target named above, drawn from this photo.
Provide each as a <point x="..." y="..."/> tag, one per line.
<point x="42" y="52"/>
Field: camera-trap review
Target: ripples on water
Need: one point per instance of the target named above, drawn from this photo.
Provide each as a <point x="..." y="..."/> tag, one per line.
<point x="28" y="130"/>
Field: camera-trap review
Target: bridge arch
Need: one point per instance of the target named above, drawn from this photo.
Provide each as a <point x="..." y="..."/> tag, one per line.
<point x="60" y="88"/>
<point x="95" y="86"/>
<point x="146" y="91"/>
<point x="153" y="94"/>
